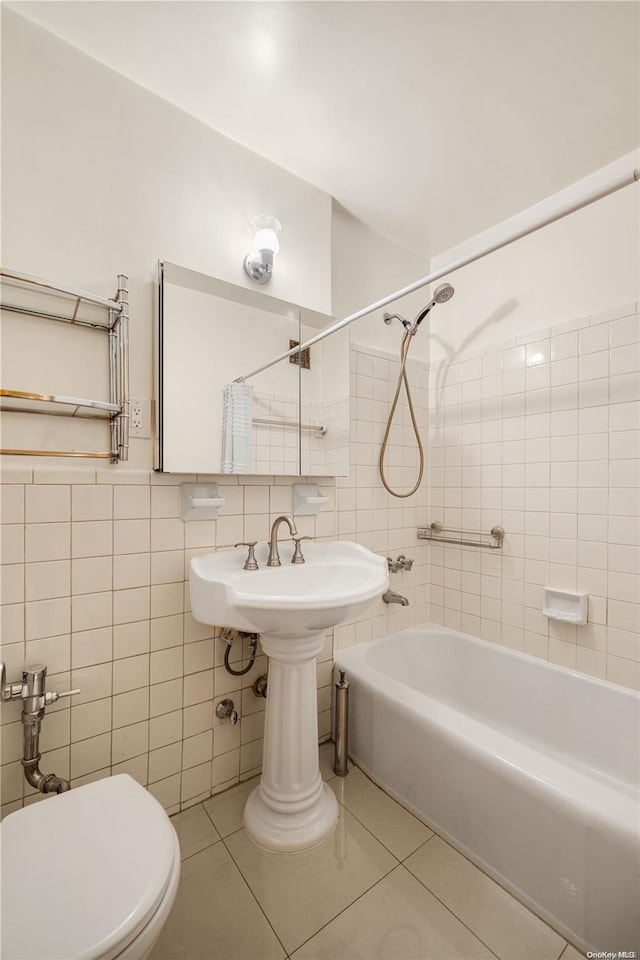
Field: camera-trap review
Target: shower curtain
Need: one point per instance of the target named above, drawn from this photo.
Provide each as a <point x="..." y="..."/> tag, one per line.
<point x="237" y="428"/>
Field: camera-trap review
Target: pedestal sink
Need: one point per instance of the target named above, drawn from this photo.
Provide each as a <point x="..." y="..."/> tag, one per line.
<point x="290" y="607"/>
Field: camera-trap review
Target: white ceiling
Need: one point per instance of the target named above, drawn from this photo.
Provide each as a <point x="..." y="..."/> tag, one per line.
<point x="429" y="121"/>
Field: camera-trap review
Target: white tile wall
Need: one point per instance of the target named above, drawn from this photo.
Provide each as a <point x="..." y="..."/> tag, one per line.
<point x="94" y="562"/>
<point x="94" y="568"/>
<point x="545" y="442"/>
<point x="365" y="511"/>
<point x="275" y="448"/>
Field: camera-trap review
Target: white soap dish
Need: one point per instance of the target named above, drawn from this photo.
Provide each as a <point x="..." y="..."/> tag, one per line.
<point x="564" y="605"/>
<point x="201" y="501"/>
<point x="307" y="499"/>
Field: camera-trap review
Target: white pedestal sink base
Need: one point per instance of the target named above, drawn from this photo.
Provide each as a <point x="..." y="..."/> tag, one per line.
<point x="292" y="809"/>
<point x="291" y="607"/>
<point x="291" y="832"/>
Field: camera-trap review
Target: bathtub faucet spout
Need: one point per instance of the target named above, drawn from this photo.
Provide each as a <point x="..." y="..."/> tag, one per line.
<point x="392" y="597"/>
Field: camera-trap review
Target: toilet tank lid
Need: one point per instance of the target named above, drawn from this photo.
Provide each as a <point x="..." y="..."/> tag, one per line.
<point x="83" y="872"/>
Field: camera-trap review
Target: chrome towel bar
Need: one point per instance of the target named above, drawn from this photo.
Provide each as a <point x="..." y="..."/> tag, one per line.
<point x="437" y="534"/>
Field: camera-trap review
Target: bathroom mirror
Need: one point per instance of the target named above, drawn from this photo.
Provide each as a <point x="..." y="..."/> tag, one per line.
<point x="289" y="420"/>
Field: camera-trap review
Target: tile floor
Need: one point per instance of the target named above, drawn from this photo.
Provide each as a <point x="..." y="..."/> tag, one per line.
<point x="382" y="886"/>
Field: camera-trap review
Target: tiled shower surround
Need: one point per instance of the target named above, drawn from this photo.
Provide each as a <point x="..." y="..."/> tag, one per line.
<point x="95" y="561"/>
<point x="541" y="435"/>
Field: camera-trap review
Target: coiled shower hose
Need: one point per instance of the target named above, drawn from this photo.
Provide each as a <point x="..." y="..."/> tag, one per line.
<point x="402" y="378"/>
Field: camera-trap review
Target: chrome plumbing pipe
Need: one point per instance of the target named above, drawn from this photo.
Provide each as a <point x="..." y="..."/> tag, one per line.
<point x="123" y="365"/>
<point x="340" y="766"/>
<point x="34" y="700"/>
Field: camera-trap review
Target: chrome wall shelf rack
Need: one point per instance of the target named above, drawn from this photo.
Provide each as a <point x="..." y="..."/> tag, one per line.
<point x="463" y="538"/>
<point x="115" y="324"/>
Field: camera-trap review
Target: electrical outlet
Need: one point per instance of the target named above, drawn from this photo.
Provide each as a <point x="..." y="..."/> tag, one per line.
<point x="140" y="418"/>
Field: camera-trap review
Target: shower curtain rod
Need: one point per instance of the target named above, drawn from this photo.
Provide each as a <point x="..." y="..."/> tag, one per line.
<point x="617" y="184"/>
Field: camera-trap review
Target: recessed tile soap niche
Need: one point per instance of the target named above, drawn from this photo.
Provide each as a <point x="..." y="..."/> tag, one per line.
<point x="564" y="605"/>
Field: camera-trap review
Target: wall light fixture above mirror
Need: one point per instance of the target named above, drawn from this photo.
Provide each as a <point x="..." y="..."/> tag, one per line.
<point x="259" y="263"/>
<point x="288" y="420"/>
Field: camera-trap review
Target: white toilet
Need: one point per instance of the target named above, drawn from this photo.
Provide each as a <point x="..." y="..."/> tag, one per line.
<point x="88" y="875"/>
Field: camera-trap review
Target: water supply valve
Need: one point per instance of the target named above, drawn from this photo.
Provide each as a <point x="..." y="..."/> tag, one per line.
<point x="260" y="686"/>
<point x="31" y="691"/>
<point x="225" y="709"/>
<point x="31" y="688"/>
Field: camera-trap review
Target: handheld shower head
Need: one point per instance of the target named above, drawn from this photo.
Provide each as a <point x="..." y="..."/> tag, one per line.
<point x="440" y="295"/>
<point x="443" y="293"/>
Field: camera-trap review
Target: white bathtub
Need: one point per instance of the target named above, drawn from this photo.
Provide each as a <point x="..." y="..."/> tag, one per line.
<point x="529" y="769"/>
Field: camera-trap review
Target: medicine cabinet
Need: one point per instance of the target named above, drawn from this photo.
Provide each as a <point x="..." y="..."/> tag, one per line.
<point x="210" y="333"/>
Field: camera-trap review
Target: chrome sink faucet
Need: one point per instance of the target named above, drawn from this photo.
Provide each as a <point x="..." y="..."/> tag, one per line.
<point x="274" y="556"/>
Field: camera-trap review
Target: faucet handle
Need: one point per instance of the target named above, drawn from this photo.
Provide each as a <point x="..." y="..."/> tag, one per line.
<point x="250" y="563"/>
<point x="297" y="553"/>
<point x="225" y="708"/>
